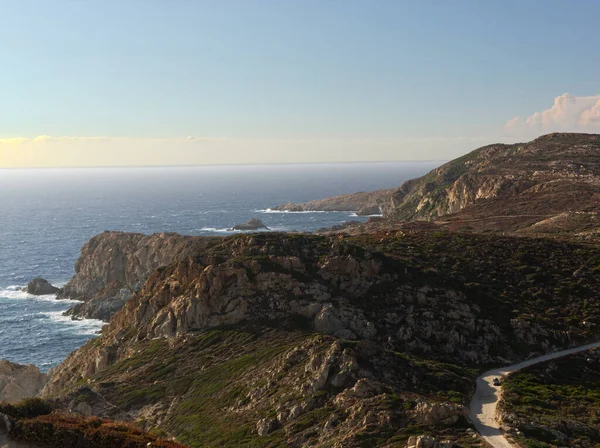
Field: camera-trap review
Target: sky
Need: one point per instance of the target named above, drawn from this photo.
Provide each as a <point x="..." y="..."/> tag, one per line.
<point x="177" y="82"/>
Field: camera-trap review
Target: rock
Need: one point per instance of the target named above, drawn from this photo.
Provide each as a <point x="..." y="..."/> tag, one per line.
<point x="251" y="224"/>
<point x="18" y="382"/>
<point x="113" y="265"/>
<point x="428" y="442"/>
<point x="41" y="287"/>
<point x="369" y="210"/>
<point x="438" y="414"/>
<point x="101" y="308"/>
<point x="6" y="423"/>
<point x="266" y="426"/>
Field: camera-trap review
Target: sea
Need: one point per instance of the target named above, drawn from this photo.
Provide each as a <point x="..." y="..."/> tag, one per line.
<point x="47" y="215"/>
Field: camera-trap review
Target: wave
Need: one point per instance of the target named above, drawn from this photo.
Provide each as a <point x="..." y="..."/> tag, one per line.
<point x="214" y="229"/>
<point x="229" y="230"/>
<point x="355" y="215"/>
<point x="14" y="292"/>
<point x="270" y="210"/>
<point x="82" y="327"/>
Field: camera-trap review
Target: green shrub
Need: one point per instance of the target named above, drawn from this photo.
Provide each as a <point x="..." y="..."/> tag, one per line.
<point x="28" y="408"/>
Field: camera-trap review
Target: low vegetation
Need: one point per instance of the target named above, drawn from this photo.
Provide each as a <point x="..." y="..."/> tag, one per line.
<point x="556" y="403"/>
<point x="34" y="421"/>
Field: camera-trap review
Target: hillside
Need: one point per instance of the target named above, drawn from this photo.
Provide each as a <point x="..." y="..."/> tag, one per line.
<point x="288" y="339"/>
<point x="549" y="186"/>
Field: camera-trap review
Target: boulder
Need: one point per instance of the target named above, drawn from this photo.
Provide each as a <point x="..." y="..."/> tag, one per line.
<point x="18" y="382"/>
<point x="428" y="442"/>
<point x="251" y="224"/>
<point x="41" y="287"/>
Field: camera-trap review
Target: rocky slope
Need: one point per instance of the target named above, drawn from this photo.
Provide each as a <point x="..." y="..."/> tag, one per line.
<point x="549" y="186"/>
<point x="113" y="265"/>
<point x="18" y="382"/>
<point x="288" y="339"/>
<point x="536" y="181"/>
<point x="363" y="203"/>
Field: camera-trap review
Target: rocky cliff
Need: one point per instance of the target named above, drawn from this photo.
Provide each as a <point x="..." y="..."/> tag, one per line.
<point x="18" y="382"/>
<point x="511" y="187"/>
<point x="113" y="265"/>
<point x="296" y="339"/>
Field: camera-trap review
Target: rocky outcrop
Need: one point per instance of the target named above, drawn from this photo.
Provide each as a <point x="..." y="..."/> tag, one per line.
<point x="41" y="287"/>
<point x="18" y="382"/>
<point x="113" y="265"/>
<point x="251" y="224"/>
<point x="363" y="203"/>
<point x="507" y="180"/>
<point x="332" y="287"/>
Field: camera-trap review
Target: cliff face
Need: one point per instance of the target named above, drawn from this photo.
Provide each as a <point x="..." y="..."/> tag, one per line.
<point x="250" y="337"/>
<point x="18" y="382"/>
<point x="113" y="265"/>
<point x="509" y="187"/>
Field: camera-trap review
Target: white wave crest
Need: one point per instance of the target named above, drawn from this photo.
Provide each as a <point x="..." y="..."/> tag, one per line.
<point x="81" y="327"/>
<point x="14" y="292"/>
<point x="214" y="229"/>
<point x="270" y="210"/>
<point x="270" y="229"/>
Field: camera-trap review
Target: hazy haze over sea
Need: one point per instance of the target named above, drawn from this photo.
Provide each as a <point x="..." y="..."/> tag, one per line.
<point x="47" y="215"/>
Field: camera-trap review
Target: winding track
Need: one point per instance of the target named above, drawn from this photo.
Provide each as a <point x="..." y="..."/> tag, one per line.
<point x="486" y="397"/>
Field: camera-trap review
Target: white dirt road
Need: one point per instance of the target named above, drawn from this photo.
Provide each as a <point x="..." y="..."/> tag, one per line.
<point x="486" y="397"/>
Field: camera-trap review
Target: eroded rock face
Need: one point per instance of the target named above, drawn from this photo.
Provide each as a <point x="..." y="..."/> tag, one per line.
<point x="18" y="382"/>
<point x="113" y="265"/>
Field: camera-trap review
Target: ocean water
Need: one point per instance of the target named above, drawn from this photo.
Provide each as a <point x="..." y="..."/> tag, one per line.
<point x="47" y="215"/>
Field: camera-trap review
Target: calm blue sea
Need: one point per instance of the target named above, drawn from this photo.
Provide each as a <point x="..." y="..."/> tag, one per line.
<point x="47" y="215"/>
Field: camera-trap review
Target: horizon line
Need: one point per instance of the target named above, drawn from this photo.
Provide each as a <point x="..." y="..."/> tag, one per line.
<point x="217" y="165"/>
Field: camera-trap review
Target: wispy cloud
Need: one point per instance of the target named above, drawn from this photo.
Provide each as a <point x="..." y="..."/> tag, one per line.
<point x="568" y="114"/>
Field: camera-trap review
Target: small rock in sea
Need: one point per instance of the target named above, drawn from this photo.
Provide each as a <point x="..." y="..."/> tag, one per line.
<point x="41" y="287"/>
<point x="251" y="224"/>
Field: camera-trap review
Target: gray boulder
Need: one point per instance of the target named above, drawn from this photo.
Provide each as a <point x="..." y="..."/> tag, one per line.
<point x="41" y="287"/>
<point x="251" y="224"/>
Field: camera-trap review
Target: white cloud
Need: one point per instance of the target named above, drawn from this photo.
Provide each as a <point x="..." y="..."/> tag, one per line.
<point x="568" y="114"/>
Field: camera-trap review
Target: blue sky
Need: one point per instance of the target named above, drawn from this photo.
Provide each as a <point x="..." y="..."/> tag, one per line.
<point x="405" y="78"/>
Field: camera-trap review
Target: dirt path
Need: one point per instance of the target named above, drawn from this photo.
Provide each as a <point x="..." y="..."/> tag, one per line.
<point x="486" y="397"/>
